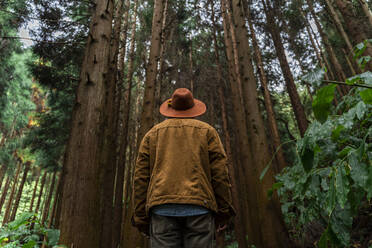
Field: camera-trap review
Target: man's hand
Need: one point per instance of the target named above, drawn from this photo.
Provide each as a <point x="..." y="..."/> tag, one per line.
<point x="221" y="228"/>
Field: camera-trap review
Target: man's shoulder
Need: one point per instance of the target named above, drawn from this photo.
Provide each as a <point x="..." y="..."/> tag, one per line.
<point x="179" y="122"/>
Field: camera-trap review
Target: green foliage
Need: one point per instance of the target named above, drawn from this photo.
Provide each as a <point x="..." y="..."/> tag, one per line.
<point x="332" y="177"/>
<point x="18" y="233"/>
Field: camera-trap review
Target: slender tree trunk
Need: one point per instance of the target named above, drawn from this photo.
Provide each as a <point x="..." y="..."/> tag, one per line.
<point x="58" y="200"/>
<point x="271" y="226"/>
<point x="20" y="190"/>
<point x="366" y="11"/>
<point x="81" y="210"/>
<point x="11" y="196"/>
<point x="43" y="180"/>
<point x="340" y="75"/>
<point x="118" y="204"/>
<point x="4" y="192"/>
<point x="267" y="98"/>
<point x="48" y="199"/>
<point x="34" y="191"/>
<point x="147" y="119"/>
<point x="248" y="214"/>
<point x="298" y="109"/>
<point x="341" y="30"/>
<point x="2" y="174"/>
<point x="355" y="26"/>
<point x="239" y="224"/>
<point x="110" y="128"/>
<point x="159" y="81"/>
<point x="349" y="63"/>
<point x="55" y="202"/>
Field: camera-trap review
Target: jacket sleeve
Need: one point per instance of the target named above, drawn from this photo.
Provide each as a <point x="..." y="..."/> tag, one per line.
<point x="140" y="186"/>
<point x="220" y="177"/>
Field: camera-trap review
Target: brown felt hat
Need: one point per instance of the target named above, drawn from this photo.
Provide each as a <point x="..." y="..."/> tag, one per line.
<point x="183" y="105"/>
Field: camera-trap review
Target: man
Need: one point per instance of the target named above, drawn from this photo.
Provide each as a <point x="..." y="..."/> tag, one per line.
<point x="181" y="183"/>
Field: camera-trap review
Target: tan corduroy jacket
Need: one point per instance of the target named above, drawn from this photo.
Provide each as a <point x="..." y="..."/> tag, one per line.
<point x="181" y="161"/>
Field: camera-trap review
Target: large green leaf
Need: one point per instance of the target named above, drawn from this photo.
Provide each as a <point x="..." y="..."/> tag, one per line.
<point x="331" y="196"/>
<point x="323" y="101"/>
<point x="341" y="222"/>
<point x="307" y="155"/>
<point x="366" y="96"/>
<point x="342" y="186"/>
<point x="359" y="170"/>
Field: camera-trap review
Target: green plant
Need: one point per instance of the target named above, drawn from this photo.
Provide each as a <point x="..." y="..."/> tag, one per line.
<point x="18" y="233"/>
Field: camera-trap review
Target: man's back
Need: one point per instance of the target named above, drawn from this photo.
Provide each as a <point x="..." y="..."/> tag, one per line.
<point x="179" y="151"/>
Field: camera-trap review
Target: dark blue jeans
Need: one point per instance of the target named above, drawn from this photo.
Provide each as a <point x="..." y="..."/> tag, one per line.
<point x="182" y="232"/>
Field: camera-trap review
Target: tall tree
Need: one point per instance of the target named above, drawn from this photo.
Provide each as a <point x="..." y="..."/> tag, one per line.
<point x="267" y="98"/>
<point x="11" y="196"/>
<point x="147" y="119"/>
<point x="81" y="224"/>
<point x="20" y="190"/>
<point x="298" y="108"/>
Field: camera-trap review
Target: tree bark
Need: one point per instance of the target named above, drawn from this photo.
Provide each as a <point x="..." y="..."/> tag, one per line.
<point x="4" y="192"/>
<point x="118" y="204"/>
<point x="34" y="191"/>
<point x="84" y="170"/>
<point x="11" y="196"/>
<point x="355" y="26"/>
<point x="340" y="75"/>
<point x="158" y="87"/>
<point x="2" y="174"/>
<point x="366" y="11"/>
<point x="271" y="226"/>
<point x="239" y="224"/>
<point x="20" y="190"/>
<point x="55" y="202"/>
<point x="48" y="200"/>
<point x="110" y="133"/>
<point x="43" y="180"/>
<point x="243" y="150"/>
<point x="341" y="30"/>
<point x="147" y="119"/>
<point x="267" y="98"/>
<point x="297" y="106"/>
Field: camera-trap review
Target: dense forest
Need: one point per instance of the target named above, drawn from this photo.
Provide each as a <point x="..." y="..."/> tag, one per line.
<point x="287" y="84"/>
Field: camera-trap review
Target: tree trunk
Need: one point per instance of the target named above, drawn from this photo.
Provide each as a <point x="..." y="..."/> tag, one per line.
<point x="239" y="224"/>
<point x="58" y="199"/>
<point x="147" y="119"/>
<point x="43" y="180"/>
<point x="355" y="26"/>
<point x="118" y="204"/>
<point x="81" y="210"/>
<point x="11" y="196"/>
<point x="298" y="109"/>
<point x="20" y="190"/>
<point x="2" y="174"/>
<point x="159" y="81"/>
<point x="366" y="11"/>
<point x="248" y="215"/>
<point x="267" y="98"/>
<point x="48" y="200"/>
<point x="110" y="134"/>
<point x="271" y="226"/>
<point x="34" y="191"/>
<point x="340" y="75"/>
<point x="4" y="193"/>
<point x="341" y="30"/>
<point x="55" y="202"/>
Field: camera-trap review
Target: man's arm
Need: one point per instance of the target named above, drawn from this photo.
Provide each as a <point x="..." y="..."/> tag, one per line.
<point x="140" y="186"/>
<point x="220" y="177"/>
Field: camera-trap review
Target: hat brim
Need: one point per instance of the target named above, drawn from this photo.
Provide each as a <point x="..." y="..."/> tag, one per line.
<point x="199" y="108"/>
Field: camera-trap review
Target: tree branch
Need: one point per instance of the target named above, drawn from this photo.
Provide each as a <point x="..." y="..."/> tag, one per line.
<point x="342" y="83"/>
